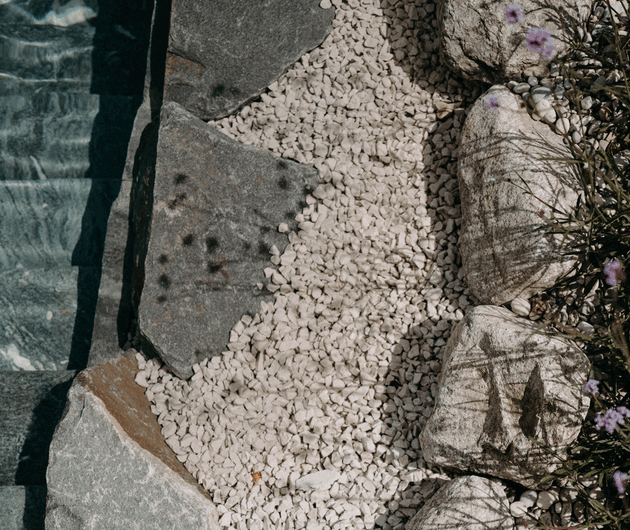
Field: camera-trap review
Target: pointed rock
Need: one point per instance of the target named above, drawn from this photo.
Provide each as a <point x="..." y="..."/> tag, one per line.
<point x="217" y="205"/>
<point x="223" y="54"/>
<point x="501" y="383"/>
<point x="109" y="465"/>
<point x="469" y="502"/>
<point x="506" y="248"/>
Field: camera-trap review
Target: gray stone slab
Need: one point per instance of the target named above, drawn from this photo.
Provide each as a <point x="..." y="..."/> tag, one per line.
<point x="31" y="404"/>
<point x="110" y="466"/>
<point x="223" y="54"/>
<point x="212" y="219"/>
<point x="42" y="222"/>
<point x="22" y="507"/>
<point x="114" y="309"/>
<point x="38" y="311"/>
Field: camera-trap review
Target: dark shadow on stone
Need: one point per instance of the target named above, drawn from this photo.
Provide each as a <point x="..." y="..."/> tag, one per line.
<point x="35" y="508"/>
<point x="119" y="56"/>
<point x="144" y="166"/>
<point x="33" y="459"/>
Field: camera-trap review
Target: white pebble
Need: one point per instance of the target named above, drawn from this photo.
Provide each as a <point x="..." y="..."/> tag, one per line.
<point x="563" y="125"/>
<point x="529" y="498"/>
<point x="319" y="479"/>
<point x="518" y="509"/>
<point x="141" y="378"/>
<point x="521" y="307"/>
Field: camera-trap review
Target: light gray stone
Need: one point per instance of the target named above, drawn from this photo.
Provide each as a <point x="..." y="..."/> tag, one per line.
<point x="500" y="384"/>
<point x="109" y="466"/>
<point x="465" y="503"/>
<point x="506" y="248"/>
<point x="504" y="55"/>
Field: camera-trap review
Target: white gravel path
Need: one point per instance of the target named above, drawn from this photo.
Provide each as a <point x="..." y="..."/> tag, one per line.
<point x="340" y="372"/>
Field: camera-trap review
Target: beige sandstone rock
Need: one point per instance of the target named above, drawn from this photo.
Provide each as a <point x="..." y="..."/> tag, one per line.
<point x="500" y="384"/>
<point x="478" y="43"/>
<point x="504" y="253"/>
<point x="465" y="503"/>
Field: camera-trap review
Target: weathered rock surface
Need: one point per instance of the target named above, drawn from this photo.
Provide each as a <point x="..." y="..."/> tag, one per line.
<point x="109" y="466"/>
<point x="216" y="209"/>
<point x="465" y="503"/>
<point x="223" y="54"/>
<point x="114" y="310"/>
<point x="499" y="384"/>
<point x="503" y="255"/>
<point x="504" y="55"/>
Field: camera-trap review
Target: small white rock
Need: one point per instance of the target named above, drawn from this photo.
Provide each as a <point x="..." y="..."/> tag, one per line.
<point x="319" y="479"/>
<point x="518" y="509"/>
<point x="141" y="378"/>
<point x="325" y="4"/>
<point x="521" y="307"/>
<point x="563" y="125"/>
<point x="586" y="328"/>
<point x="226" y="519"/>
<point x="529" y="498"/>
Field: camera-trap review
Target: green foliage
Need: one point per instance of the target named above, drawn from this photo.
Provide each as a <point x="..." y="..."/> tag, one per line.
<point x="597" y="234"/>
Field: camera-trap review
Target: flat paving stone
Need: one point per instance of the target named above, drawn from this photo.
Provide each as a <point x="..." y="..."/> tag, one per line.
<point x="223" y="54"/>
<point x="110" y="466"/>
<point x="211" y="222"/>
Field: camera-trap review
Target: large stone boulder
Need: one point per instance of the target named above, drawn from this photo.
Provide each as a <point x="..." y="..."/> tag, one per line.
<point x="224" y="53"/>
<point x="506" y="247"/>
<point x="465" y="503"/>
<point x="109" y="466"/>
<point x="479" y="44"/>
<point x="501" y="383"/>
<point x="213" y="218"/>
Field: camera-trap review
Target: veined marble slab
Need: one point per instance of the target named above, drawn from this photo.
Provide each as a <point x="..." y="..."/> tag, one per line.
<point x="41" y="222"/>
<point x="38" y="315"/>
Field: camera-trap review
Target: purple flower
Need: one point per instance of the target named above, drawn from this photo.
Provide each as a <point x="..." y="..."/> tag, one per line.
<point x="539" y="40"/>
<point x="610" y="419"/>
<point x="614" y="272"/>
<point x="624" y="411"/>
<point x="591" y="386"/>
<point x="513" y="14"/>
<point x="492" y="102"/>
<point x="621" y="481"/>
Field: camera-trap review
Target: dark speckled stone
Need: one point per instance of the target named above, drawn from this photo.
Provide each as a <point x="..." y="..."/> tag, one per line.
<point x="215" y="211"/>
<point x="224" y="53"/>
